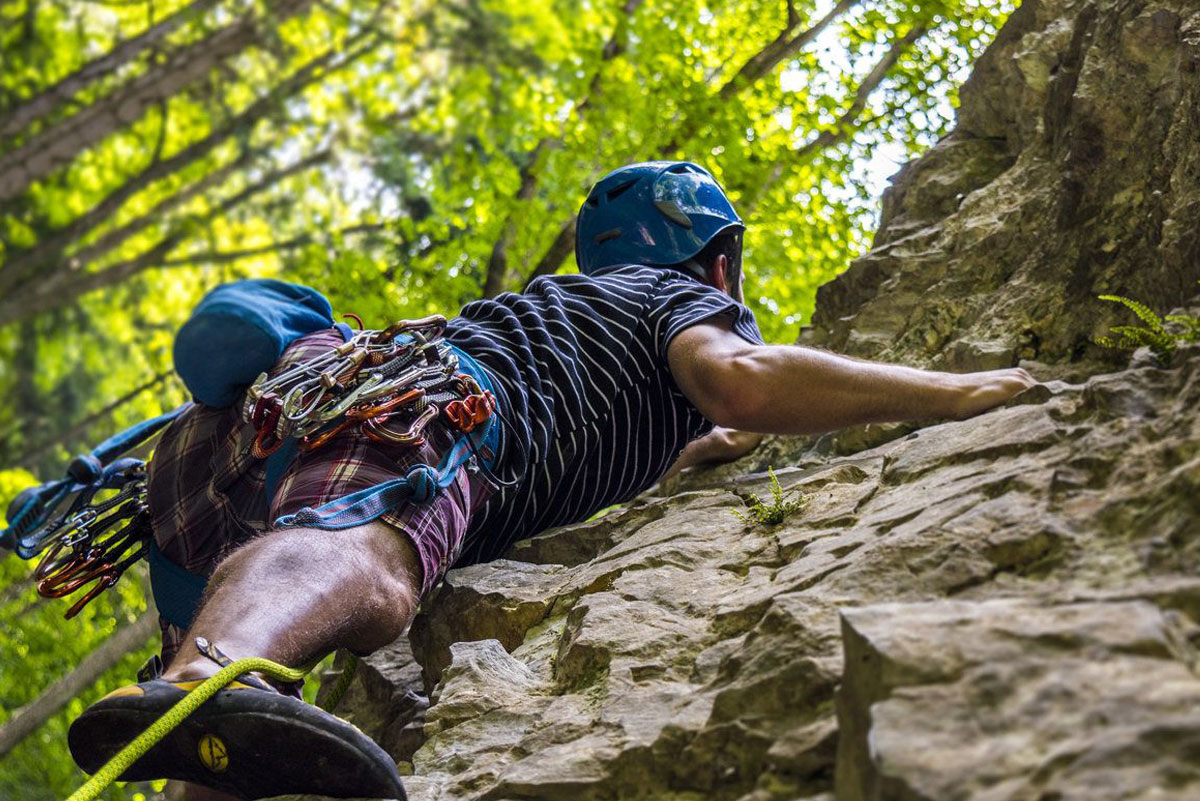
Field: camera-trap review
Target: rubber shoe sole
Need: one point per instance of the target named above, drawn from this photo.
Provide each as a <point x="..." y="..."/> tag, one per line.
<point x="242" y="741"/>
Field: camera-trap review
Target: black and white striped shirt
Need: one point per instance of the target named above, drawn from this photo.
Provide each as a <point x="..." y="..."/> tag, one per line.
<point x="579" y="365"/>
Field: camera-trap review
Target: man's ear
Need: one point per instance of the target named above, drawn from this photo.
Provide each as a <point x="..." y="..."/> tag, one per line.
<point x="718" y="273"/>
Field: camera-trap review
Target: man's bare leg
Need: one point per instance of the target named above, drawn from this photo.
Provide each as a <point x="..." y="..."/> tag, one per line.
<point x="294" y="595"/>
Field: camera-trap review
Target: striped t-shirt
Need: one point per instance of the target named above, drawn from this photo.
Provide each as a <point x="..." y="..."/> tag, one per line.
<point x="580" y="369"/>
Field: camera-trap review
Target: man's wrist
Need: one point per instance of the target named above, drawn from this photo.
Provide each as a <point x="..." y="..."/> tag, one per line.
<point x="950" y="393"/>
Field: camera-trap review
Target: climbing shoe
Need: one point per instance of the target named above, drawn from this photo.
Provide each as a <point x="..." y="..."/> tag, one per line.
<point x="246" y="741"/>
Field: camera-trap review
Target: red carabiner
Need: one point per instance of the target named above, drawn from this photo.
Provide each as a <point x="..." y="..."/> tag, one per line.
<point x="471" y="411"/>
<point x="266" y="411"/>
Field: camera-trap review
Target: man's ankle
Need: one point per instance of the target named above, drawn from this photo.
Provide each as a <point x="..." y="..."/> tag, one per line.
<point x="182" y="669"/>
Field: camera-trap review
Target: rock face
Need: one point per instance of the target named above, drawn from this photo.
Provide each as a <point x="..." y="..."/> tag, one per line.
<point x="1001" y="608"/>
<point x="1073" y="171"/>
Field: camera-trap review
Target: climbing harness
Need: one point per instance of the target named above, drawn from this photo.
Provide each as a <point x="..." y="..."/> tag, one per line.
<point x="391" y="384"/>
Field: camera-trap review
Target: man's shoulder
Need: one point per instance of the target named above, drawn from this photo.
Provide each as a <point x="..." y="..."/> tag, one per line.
<point x="625" y="279"/>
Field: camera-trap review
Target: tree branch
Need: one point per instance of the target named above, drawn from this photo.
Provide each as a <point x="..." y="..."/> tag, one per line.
<point x="44" y="101"/>
<point x="227" y="256"/>
<point x="29" y="718"/>
<point x="496" y="277"/>
<point x="58" y="144"/>
<point x="86" y="423"/>
<point x="92" y="253"/>
<point x="65" y="286"/>
<point x="786" y="44"/>
<point x="34" y="264"/>
<point x="560" y="248"/>
<point x="845" y="125"/>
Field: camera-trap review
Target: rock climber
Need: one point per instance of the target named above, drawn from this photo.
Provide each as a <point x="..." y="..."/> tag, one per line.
<point x="606" y="379"/>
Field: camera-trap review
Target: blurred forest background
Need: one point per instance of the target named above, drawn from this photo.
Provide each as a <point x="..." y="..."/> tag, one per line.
<point x="404" y="158"/>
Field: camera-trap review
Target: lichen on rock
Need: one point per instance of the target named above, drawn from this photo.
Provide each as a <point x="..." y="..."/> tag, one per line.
<point x="999" y="608"/>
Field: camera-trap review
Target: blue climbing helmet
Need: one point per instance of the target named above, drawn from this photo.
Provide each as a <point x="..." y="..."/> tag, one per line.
<point x="655" y="213"/>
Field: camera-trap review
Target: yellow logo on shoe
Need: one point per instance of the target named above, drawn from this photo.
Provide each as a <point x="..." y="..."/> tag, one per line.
<point x="213" y="753"/>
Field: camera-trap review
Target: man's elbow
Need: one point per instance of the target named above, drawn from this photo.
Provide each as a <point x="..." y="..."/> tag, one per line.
<point x="736" y="399"/>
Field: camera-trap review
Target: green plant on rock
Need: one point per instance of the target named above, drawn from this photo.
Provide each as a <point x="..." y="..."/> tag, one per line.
<point x="1161" y="334"/>
<point x="782" y="506"/>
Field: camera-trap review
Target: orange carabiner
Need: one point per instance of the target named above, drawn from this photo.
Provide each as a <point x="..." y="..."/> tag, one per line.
<point x="375" y="429"/>
<point x="313" y="441"/>
<point x="66" y="582"/>
<point x="471" y="411"/>
<point x="387" y="407"/>
<point x="103" y="584"/>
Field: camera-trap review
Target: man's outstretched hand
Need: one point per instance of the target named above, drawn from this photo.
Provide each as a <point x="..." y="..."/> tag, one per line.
<point x="979" y="392"/>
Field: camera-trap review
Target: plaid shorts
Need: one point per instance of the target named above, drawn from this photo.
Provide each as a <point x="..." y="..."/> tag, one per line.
<point x="207" y="493"/>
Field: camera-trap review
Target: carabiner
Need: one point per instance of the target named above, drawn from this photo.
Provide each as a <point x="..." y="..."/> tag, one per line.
<point x="103" y="584"/>
<point x="265" y="443"/>
<point x="434" y="321"/>
<point x="471" y="411"/>
<point x="266" y="411"/>
<point x="388" y="407"/>
<point x="375" y="429"/>
<point x="309" y="442"/>
<point x="296" y="407"/>
<point x="351" y="398"/>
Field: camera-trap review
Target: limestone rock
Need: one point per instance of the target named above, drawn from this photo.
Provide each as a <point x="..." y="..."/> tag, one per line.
<point x="1008" y="699"/>
<point x="999" y="608"/>
<point x="1072" y="172"/>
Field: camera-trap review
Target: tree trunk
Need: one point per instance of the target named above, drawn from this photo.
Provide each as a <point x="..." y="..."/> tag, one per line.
<point x="64" y="286"/>
<point x="61" y="143"/>
<point x="29" y="718"/>
<point x="33" y="264"/>
<point x="20" y="117"/>
<point x="37" y="263"/>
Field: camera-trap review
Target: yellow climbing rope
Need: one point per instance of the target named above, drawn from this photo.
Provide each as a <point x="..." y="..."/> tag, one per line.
<point x="137" y="747"/>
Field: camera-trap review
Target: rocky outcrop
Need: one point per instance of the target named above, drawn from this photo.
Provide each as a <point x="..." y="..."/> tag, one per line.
<point x="1073" y="171"/>
<point x="1000" y="608"/>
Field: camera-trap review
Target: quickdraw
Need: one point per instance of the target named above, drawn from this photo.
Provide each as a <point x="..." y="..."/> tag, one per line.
<point x="95" y="542"/>
<point x="391" y="383"/>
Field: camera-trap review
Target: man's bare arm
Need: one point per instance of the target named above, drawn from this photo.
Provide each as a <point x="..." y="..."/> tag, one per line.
<point x="787" y="389"/>
<point x="719" y="445"/>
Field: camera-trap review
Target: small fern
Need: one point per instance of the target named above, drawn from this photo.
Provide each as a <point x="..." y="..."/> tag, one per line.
<point x="781" y="507"/>
<point x="1161" y="334"/>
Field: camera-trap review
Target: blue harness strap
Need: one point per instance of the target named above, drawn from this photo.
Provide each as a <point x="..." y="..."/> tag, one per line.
<point x="419" y="486"/>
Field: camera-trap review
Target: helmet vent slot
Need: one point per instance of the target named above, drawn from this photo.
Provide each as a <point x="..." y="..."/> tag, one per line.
<point x="617" y="191"/>
<point x="611" y="233"/>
